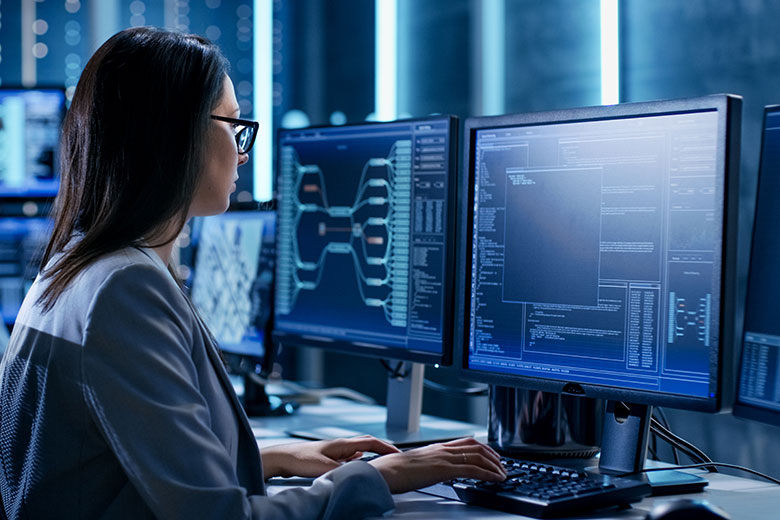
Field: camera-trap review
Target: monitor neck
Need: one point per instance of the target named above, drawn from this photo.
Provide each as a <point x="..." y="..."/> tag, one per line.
<point x="625" y="435"/>
<point x="404" y="398"/>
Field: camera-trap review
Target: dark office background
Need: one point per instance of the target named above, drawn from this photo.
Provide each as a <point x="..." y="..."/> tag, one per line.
<point x="323" y="72"/>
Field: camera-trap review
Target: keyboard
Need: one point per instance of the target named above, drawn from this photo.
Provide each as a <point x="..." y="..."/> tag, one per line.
<point x="543" y="490"/>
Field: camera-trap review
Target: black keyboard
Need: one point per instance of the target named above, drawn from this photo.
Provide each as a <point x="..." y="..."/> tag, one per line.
<point x="543" y="491"/>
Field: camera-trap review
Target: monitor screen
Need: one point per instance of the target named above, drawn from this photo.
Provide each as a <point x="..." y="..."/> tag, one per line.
<point x="596" y="254"/>
<point x="30" y="125"/>
<point x="365" y="244"/>
<point x="758" y="390"/>
<point x="231" y="282"/>
<point x="22" y="241"/>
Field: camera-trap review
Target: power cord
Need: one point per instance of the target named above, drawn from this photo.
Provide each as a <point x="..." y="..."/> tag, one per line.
<point x="665" y="422"/>
<point x="678" y="442"/>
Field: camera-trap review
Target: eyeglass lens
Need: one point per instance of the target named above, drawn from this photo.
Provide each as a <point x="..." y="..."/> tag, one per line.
<point x="243" y="138"/>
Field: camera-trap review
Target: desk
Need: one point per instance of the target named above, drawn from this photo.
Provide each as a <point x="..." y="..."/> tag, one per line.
<point x="742" y="498"/>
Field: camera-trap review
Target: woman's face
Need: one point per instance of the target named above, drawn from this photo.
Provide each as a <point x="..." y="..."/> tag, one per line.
<point x="221" y="160"/>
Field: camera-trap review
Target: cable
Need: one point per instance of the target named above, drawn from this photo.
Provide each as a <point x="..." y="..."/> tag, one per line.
<point x="703" y="465"/>
<point x="679" y="441"/>
<point x="692" y="453"/>
<point x="665" y="422"/>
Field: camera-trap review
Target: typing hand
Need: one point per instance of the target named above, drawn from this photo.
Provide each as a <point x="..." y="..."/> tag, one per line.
<point x="312" y="459"/>
<point x="421" y="467"/>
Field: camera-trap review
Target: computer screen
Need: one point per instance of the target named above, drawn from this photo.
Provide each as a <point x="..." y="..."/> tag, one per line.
<point x="758" y="389"/>
<point x="22" y="241"/>
<point x="365" y="246"/>
<point x="30" y="126"/>
<point x="231" y="279"/>
<point x="601" y="251"/>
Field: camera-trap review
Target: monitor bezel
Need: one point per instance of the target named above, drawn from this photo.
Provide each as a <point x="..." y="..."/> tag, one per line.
<point x="41" y="195"/>
<point x="366" y="349"/>
<point x="744" y="409"/>
<point x="728" y="108"/>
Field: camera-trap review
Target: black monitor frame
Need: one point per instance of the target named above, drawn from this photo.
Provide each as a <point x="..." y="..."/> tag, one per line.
<point x="728" y="108"/>
<point x="743" y="409"/>
<point x="363" y="348"/>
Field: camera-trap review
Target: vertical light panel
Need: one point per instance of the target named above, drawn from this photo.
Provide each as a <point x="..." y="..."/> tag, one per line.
<point x="493" y="35"/>
<point x="610" y="53"/>
<point x="386" y="60"/>
<point x="263" y="74"/>
<point x="29" y="67"/>
<point x="104" y="21"/>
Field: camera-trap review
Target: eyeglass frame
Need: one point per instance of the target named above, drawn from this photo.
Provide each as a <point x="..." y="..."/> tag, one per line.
<point x="246" y="123"/>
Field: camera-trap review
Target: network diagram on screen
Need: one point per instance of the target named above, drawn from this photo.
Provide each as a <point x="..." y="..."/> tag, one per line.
<point x="361" y="247"/>
<point x="596" y="251"/>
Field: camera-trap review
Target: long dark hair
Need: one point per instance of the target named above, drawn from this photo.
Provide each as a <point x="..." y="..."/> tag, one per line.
<point x="131" y="148"/>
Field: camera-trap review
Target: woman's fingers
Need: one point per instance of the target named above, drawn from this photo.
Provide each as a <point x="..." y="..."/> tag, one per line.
<point x="475" y="456"/>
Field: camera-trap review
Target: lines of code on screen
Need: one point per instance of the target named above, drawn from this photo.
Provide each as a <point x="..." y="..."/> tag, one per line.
<point x="596" y="251"/>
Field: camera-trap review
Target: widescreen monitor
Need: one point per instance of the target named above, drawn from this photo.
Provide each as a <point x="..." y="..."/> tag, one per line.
<point x="30" y="126"/>
<point x="365" y="247"/>
<point x="600" y="258"/>
<point x="758" y="388"/>
<point x="366" y="234"/>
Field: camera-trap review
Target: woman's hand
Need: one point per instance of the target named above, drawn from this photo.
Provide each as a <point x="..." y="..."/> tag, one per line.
<point x="312" y="459"/>
<point x="462" y="458"/>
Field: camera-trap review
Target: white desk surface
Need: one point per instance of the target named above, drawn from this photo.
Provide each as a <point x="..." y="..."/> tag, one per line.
<point x="742" y="498"/>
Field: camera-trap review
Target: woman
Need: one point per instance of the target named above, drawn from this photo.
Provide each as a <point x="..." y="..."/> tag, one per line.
<point x="114" y="403"/>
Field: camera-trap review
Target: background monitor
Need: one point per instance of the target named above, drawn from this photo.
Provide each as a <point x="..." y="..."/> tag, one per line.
<point x="601" y="255"/>
<point x="758" y="389"/>
<point x="231" y="260"/>
<point x="30" y="125"/>
<point x="22" y="242"/>
<point x="366" y="243"/>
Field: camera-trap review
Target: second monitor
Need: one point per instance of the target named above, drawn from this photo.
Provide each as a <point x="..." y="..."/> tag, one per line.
<point x="365" y="247"/>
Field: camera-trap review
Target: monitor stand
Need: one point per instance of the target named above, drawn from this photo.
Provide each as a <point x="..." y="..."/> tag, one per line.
<point x="257" y="402"/>
<point x="624" y="450"/>
<point x="403" y="426"/>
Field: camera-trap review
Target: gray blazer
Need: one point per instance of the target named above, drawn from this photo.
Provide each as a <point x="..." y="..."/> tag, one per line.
<point x="115" y="404"/>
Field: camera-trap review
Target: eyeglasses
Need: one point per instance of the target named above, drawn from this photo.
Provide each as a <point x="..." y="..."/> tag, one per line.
<point x="244" y="130"/>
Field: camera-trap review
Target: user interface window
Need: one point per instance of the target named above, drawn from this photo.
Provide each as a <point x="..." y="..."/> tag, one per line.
<point x="596" y="251"/>
<point x="363" y="233"/>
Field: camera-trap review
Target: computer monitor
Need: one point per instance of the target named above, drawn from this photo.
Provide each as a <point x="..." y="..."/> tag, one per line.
<point x="758" y="388"/>
<point x="231" y="268"/>
<point x="365" y="249"/>
<point x="22" y="241"/>
<point x="30" y="126"/>
<point x="600" y="258"/>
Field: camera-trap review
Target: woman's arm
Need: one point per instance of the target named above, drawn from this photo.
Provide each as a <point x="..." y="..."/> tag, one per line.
<point x="312" y="459"/>
<point x="141" y="386"/>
